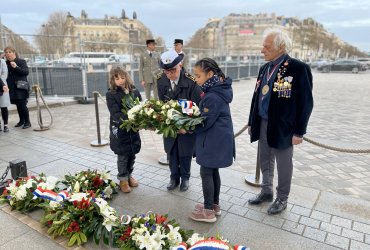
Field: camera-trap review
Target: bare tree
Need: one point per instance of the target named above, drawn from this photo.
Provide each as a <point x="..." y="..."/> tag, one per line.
<point x="50" y="38"/>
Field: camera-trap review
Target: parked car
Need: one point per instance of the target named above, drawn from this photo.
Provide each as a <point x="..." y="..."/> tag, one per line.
<point x="365" y="60"/>
<point x="318" y="63"/>
<point x="342" y="65"/>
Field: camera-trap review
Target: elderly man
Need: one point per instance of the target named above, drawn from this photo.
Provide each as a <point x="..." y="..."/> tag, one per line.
<point x="148" y="69"/>
<point x="281" y="107"/>
<point x="176" y="84"/>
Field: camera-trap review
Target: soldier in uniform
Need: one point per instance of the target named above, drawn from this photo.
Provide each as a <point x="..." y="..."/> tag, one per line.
<point x="175" y="84"/>
<point x="178" y="45"/>
<point x="148" y="69"/>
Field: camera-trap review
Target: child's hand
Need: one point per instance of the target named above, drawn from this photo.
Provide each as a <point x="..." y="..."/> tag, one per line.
<point x="181" y="131"/>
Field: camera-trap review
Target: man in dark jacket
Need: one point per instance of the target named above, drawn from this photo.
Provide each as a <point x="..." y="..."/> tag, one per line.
<point x="175" y="84"/>
<point x="281" y="107"/>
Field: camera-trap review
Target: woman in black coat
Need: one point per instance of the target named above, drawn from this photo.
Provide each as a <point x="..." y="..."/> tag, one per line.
<point x="18" y="71"/>
<point x="125" y="144"/>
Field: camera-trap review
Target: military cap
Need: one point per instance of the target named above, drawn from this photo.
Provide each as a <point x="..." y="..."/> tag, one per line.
<point x="170" y="59"/>
<point x="178" y="41"/>
<point x="150" y="41"/>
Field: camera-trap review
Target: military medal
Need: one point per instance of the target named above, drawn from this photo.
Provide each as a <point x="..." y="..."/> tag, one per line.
<point x="265" y="89"/>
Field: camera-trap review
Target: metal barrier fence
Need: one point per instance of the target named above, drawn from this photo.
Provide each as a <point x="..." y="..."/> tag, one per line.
<point x="57" y="71"/>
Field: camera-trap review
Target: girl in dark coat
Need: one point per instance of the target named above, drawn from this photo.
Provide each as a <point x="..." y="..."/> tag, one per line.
<point x="215" y="145"/>
<point x="126" y="144"/>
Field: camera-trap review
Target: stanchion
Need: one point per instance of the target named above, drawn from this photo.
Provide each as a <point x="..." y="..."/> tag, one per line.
<point x="39" y="96"/>
<point x="254" y="180"/>
<point x="99" y="142"/>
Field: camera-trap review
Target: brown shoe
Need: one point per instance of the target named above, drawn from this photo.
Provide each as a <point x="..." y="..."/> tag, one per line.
<point x="204" y="215"/>
<point x="216" y="208"/>
<point x="125" y="187"/>
<point x="132" y="182"/>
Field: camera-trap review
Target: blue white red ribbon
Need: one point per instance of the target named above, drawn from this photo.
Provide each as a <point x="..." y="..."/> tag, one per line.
<point x="187" y="106"/>
<point x="50" y="195"/>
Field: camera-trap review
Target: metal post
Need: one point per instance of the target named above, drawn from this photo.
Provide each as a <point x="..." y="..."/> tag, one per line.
<point x="83" y="71"/>
<point x="254" y="180"/>
<point x="99" y="142"/>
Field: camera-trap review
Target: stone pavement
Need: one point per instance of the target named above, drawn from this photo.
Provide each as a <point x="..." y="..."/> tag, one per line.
<point x="329" y="205"/>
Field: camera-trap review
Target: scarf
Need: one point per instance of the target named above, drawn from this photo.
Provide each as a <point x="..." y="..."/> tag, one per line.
<point x="210" y="83"/>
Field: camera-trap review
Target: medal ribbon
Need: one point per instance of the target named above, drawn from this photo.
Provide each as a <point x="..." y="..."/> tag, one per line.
<point x="273" y="70"/>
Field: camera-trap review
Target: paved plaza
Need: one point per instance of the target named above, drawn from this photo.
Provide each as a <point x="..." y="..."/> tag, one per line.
<point x="329" y="205"/>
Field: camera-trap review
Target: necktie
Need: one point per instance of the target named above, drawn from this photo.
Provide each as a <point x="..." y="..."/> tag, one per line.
<point x="150" y="54"/>
<point x="173" y="85"/>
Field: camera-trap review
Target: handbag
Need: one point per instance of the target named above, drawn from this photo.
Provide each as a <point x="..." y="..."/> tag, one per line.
<point x="23" y="85"/>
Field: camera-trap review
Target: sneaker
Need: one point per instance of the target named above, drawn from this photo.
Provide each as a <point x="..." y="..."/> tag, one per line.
<point x="216" y="208"/>
<point x="204" y="215"/>
<point x="132" y="182"/>
<point x="6" y="129"/>
<point x="125" y="187"/>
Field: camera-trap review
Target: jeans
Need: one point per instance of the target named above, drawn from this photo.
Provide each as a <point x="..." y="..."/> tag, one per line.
<point x="22" y="109"/>
<point x="211" y="184"/>
<point x="125" y="166"/>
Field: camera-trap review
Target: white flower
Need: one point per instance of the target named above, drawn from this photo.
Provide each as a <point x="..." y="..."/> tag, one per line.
<point x="54" y="204"/>
<point x="169" y="113"/>
<point x="108" y="192"/>
<point x="12" y="187"/>
<point x="78" y="196"/>
<point x="173" y="105"/>
<point x="76" y="187"/>
<point x="109" y="214"/>
<point x="29" y="183"/>
<point x="148" y="242"/>
<point x="154" y="116"/>
<point x="50" y="182"/>
<point x="132" y="112"/>
<point x="104" y="175"/>
<point x="196" y="110"/>
<point x="194" y="239"/>
<point x="83" y="178"/>
<point x="168" y="121"/>
<point x="21" y="193"/>
<point x="174" y="236"/>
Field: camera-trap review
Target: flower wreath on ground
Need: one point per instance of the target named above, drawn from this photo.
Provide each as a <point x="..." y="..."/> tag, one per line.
<point x="19" y="193"/>
<point x="165" y="117"/>
<point x="81" y="214"/>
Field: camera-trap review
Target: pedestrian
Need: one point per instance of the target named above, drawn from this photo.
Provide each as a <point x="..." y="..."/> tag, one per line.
<point x="281" y="107"/>
<point x="4" y="94"/>
<point x="148" y="69"/>
<point x="175" y="84"/>
<point x="125" y="144"/>
<point x="179" y="46"/>
<point x="215" y="144"/>
<point x="18" y="71"/>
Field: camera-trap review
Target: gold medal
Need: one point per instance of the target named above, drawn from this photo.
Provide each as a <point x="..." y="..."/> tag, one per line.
<point x="265" y="89"/>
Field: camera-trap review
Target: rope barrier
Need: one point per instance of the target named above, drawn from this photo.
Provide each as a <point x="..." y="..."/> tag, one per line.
<point x="319" y="144"/>
<point x="38" y="94"/>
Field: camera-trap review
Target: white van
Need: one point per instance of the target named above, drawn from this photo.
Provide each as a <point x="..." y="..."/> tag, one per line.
<point x="121" y="58"/>
<point x="76" y="58"/>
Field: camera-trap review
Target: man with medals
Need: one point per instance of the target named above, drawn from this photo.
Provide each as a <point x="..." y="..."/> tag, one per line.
<point x="281" y="107"/>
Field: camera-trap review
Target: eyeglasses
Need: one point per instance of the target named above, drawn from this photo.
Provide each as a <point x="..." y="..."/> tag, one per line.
<point x="170" y="71"/>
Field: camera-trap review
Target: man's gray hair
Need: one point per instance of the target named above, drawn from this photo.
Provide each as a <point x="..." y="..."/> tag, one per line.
<point x="281" y="38"/>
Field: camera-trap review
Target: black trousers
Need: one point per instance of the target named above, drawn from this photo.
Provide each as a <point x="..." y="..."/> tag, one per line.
<point x="211" y="185"/>
<point x="125" y="166"/>
<point x="22" y="109"/>
<point x="179" y="166"/>
<point x="5" y="115"/>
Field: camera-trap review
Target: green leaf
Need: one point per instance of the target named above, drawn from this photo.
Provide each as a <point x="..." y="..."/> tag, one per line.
<point x="106" y="236"/>
<point x="97" y="234"/>
<point x="72" y="240"/>
<point x="83" y="237"/>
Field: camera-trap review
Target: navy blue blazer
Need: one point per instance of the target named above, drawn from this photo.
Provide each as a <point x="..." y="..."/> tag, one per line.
<point x="286" y="116"/>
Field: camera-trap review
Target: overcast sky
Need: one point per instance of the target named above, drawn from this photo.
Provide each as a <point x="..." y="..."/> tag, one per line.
<point x="348" y="19"/>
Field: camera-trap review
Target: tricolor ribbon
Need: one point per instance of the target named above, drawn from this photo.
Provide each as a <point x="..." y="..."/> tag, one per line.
<point x="187" y="106"/>
<point x="50" y="195"/>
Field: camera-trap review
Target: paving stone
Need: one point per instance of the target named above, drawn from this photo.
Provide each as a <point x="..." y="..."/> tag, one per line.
<point x="352" y="234"/>
<point x="235" y="192"/>
<point x="355" y="245"/>
<point x="320" y="216"/>
<point x="237" y="201"/>
<point x="255" y="215"/>
<point x="337" y="241"/>
<point x="293" y="227"/>
<point x="238" y="210"/>
<point x="309" y="222"/>
<point x="367" y="238"/>
<point x="314" y="234"/>
<point x="330" y="228"/>
<point x="225" y="197"/>
<point x="361" y="227"/>
<point x="273" y="221"/>
<point x="290" y="216"/>
<point x="342" y="222"/>
<point x="301" y="210"/>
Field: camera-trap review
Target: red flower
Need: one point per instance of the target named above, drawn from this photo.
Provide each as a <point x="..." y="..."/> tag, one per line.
<point x="97" y="182"/>
<point x="50" y="222"/>
<point x="126" y="234"/>
<point x="159" y="219"/>
<point x="5" y="192"/>
<point x="73" y="227"/>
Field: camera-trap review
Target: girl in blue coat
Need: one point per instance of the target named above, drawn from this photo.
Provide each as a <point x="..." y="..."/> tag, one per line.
<point x="215" y="145"/>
